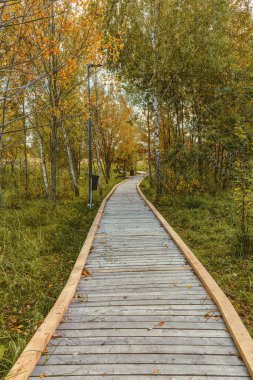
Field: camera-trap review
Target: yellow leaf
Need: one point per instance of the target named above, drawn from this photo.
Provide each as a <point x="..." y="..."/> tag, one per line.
<point x="207" y="315"/>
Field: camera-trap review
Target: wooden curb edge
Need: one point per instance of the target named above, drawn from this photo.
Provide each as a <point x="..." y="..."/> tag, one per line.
<point x="28" y="359"/>
<point x="238" y="331"/>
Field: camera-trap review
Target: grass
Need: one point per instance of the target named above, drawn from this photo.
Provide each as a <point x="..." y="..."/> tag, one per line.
<point x="208" y="224"/>
<point x="39" y="245"/>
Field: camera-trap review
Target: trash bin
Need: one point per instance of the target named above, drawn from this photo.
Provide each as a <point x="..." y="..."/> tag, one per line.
<point x="95" y="179"/>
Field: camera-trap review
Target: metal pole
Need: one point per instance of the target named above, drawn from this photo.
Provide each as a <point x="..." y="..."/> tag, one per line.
<point x="89" y="138"/>
<point x="149" y="148"/>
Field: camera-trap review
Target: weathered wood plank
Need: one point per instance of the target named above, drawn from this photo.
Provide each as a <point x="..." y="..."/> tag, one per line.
<point x="141" y="349"/>
<point x="147" y="340"/>
<point x="176" y="319"/>
<point x="165" y="332"/>
<point x="140" y="358"/>
<point x="136" y="369"/>
<point x="142" y="325"/>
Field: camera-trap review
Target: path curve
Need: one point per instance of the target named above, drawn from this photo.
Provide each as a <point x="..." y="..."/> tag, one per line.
<point x="142" y="313"/>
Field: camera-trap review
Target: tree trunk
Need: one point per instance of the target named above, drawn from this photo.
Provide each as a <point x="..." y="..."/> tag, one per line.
<point x="107" y="171"/>
<point x="71" y="163"/>
<point x="54" y="102"/>
<point x="43" y="162"/>
<point x="156" y="103"/>
<point x="54" y="146"/>
<point x="149" y="150"/>
<point x="25" y="150"/>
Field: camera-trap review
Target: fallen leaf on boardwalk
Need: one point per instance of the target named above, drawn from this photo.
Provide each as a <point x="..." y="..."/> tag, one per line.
<point x="86" y="273"/>
<point x="156" y="371"/>
<point x="45" y="351"/>
<point x="216" y="317"/>
<point x="82" y="298"/>
<point x="104" y="374"/>
<point x="188" y="286"/>
<point x="56" y="336"/>
<point x="159" y="324"/>
<point x="207" y="315"/>
<point x="42" y="376"/>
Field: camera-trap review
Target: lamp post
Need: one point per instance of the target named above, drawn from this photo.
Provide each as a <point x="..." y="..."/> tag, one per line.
<point x="89" y="66"/>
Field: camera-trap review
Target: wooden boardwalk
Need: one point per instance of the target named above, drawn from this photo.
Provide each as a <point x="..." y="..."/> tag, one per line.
<point x="142" y="313"/>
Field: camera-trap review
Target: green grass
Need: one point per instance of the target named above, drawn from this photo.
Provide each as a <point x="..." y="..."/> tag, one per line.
<point x="208" y="224"/>
<point x="38" y="247"/>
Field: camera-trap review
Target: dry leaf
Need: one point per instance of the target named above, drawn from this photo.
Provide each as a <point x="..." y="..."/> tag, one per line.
<point x="207" y="315"/>
<point x="42" y="376"/>
<point x="56" y="336"/>
<point x="162" y="323"/>
<point x="188" y="286"/>
<point x="216" y="317"/>
<point x="156" y="371"/>
<point x="85" y="273"/>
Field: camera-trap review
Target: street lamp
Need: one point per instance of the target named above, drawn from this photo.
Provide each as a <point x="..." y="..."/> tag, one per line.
<point x="89" y="66"/>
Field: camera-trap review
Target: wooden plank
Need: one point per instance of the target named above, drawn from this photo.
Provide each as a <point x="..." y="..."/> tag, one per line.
<point x="142" y="293"/>
<point x="147" y="369"/>
<point x="73" y="313"/>
<point x="141" y="349"/>
<point x="145" y="333"/>
<point x="142" y="325"/>
<point x="142" y="340"/>
<point x="178" y="319"/>
<point x="140" y="358"/>
<point x="142" y="269"/>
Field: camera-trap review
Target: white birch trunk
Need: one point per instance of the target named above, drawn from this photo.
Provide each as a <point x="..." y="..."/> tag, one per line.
<point x="43" y="163"/>
<point x="156" y="101"/>
<point x="71" y="164"/>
